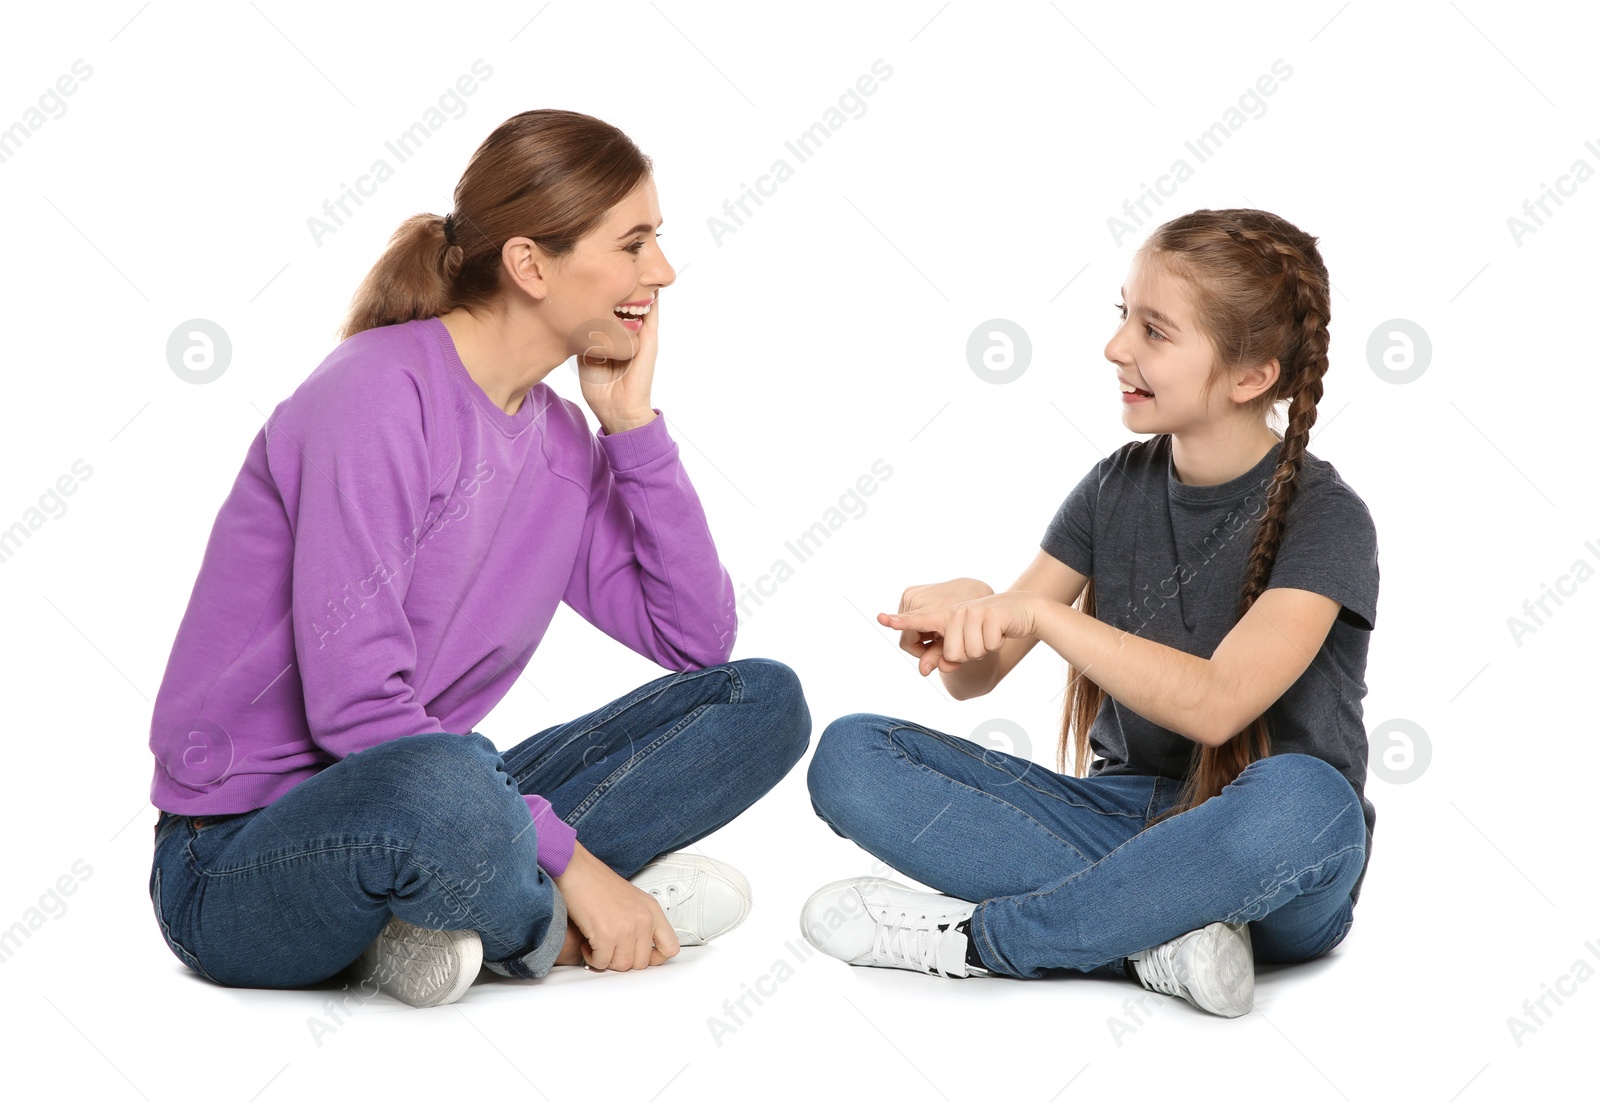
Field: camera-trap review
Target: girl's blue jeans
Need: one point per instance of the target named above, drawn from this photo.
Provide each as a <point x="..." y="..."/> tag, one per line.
<point x="431" y="828"/>
<point x="1069" y="873"/>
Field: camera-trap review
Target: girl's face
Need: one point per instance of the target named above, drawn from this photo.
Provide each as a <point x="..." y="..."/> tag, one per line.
<point x="618" y="263"/>
<point x="1159" y="349"/>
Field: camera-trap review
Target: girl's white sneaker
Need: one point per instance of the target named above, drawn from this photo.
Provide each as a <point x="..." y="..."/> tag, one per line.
<point x="1211" y="968"/>
<point x="872" y="922"/>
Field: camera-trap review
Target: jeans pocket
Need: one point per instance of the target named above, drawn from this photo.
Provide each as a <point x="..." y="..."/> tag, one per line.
<point x="166" y="825"/>
<point x="185" y="956"/>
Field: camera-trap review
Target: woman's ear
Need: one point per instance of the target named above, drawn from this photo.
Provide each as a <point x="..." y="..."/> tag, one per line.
<point x="527" y="266"/>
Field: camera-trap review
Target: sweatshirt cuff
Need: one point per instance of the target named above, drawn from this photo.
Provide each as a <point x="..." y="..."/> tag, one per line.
<point x="637" y="446"/>
<point x="556" y="839"/>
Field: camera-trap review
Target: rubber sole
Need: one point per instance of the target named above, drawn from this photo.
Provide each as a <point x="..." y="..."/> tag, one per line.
<point x="422" y="967"/>
<point x="1232" y="971"/>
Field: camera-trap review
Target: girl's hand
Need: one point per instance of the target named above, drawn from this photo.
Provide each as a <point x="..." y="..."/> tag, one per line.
<point x="926" y="646"/>
<point x="967" y="630"/>
<point x="623" y="927"/>
<point x="618" y="391"/>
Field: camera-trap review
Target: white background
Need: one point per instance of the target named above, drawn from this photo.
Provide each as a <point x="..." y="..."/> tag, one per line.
<point x="827" y="332"/>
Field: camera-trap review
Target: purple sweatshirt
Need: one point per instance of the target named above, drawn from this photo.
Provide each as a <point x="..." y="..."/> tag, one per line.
<point x="390" y="556"/>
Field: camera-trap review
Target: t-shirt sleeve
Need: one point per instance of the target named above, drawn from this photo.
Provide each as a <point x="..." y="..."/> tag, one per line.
<point x="1070" y="535"/>
<point x="1330" y="546"/>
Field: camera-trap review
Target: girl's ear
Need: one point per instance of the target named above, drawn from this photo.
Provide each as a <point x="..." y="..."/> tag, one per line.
<point x="1255" y="380"/>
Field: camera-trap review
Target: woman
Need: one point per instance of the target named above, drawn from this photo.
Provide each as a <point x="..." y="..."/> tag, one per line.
<point x="388" y="560"/>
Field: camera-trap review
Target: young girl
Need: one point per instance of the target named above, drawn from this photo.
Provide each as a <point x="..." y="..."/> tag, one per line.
<point x="389" y="558"/>
<point x="1226" y="582"/>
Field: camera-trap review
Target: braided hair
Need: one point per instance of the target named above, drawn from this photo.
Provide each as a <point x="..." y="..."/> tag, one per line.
<point x="1261" y="291"/>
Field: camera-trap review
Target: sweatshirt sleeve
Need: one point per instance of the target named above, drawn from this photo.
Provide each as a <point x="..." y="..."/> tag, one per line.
<point x="556" y="839"/>
<point x="647" y="572"/>
<point x="356" y="492"/>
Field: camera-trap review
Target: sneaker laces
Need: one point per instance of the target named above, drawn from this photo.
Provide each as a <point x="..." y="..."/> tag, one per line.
<point x="1158" y="970"/>
<point x="910" y="942"/>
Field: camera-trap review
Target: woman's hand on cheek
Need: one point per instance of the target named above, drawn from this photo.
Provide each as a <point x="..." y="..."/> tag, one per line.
<point x="618" y="391"/>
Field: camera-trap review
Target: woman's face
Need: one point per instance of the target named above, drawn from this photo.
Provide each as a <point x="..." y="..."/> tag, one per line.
<point x="619" y="263"/>
<point x="1159" y="349"/>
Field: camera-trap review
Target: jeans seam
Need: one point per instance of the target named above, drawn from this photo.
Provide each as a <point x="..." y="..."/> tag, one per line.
<point x="622" y="705"/>
<point x="1235" y="918"/>
<point x="635" y="759"/>
<point x="447" y="887"/>
<point x="1092" y="808"/>
<point x="1155" y="794"/>
<point x="897" y="751"/>
<point x="466" y="912"/>
<point x="735" y="695"/>
<point x="310" y="851"/>
<point x="1053" y="887"/>
<point x="184" y="955"/>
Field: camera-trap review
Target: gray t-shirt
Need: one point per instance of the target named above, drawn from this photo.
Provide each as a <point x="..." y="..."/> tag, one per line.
<point x="1168" y="563"/>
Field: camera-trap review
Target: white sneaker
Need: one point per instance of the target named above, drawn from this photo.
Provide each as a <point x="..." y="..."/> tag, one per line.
<point x="1212" y="968"/>
<point x="701" y="897"/>
<point x="871" y="922"/>
<point x="422" y="967"/>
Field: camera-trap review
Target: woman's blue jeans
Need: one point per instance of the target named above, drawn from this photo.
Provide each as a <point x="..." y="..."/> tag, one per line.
<point x="1069" y="873"/>
<point x="432" y="828"/>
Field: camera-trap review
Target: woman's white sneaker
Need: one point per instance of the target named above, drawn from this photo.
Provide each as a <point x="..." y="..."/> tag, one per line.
<point x="871" y="922"/>
<point x="1212" y="968"/>
<point x="701" y="897"/>
<point x="422" y="967"/>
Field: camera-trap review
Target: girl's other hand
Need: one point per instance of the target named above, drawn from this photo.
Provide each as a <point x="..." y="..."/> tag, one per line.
<point x="928" y="647"/>
<point x="969" y="630"/>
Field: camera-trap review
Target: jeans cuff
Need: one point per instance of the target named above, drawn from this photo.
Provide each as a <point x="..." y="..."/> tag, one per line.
<point x="537" y="963"/>
<point x="979" y="935"/>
